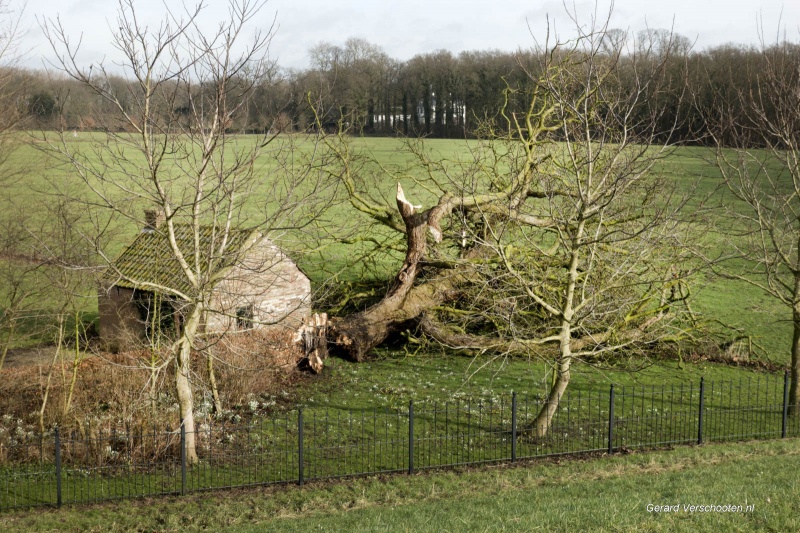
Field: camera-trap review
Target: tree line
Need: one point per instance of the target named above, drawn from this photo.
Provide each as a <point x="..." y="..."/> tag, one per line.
<point x="358" y="86"/>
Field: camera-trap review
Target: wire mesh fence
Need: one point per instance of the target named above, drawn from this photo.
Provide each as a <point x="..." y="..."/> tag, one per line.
<point x="299" y="445"/>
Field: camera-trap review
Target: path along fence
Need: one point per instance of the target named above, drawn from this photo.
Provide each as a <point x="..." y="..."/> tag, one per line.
<point x="310" y="444"/>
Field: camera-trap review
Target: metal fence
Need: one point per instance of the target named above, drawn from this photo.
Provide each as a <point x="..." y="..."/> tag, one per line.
<point x="295" y="446"/>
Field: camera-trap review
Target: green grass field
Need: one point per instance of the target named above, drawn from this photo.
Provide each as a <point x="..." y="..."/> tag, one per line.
<point x="592" y="494"/>
<point x="690" y="169"/>
<point x="576" y="496"/>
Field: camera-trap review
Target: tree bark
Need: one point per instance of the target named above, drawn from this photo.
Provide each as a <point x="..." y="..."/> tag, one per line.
<point x="76" y="362"/>
<point x="446" y="336"/>
<point x="212" y="382"/>
<point x="794" y="372"/>
<point x="56" y="356"/>
<point x="183" y="386"/>
<point x="541" y="425"/>
<point x="356" y="334"/>
<point x="313" y="337"/>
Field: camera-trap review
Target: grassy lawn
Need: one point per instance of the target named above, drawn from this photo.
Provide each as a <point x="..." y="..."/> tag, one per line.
<point x="597" y="493"/>
<point x="607" y="494"/>
<point x="393" y="377"/>
<point x="690" y="169"/>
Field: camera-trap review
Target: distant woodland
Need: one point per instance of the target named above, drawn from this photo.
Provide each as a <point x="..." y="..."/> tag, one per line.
<point x="358" y="87"/>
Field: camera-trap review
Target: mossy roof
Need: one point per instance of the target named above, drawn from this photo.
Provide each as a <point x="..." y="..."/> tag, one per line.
<point x="149" y="258"/>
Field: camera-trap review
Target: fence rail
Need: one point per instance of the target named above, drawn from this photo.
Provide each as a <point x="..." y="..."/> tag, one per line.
<point x="300" y="445"/>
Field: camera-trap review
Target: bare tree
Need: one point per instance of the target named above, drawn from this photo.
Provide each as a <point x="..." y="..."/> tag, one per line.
<point x="171" y="147"/>
<point x="19" y="269"/>
<point x="67" y="277"/>
<point x="557" y="236"/>
<point x="757" y="135"/>
<point x="10" y="87"/>
<point x="352" y="82"/>
<point x="21" y="277"/>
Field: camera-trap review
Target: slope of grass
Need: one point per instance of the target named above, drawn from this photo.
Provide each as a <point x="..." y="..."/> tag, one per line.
<point x="598" y="494"/>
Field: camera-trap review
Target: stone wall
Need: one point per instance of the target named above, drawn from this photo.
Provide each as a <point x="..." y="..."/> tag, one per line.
<point x="269" y="284"/>
<point x="120" y="326"/>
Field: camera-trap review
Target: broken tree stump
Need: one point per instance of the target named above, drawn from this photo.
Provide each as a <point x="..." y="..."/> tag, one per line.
<point x="312" y="336"/>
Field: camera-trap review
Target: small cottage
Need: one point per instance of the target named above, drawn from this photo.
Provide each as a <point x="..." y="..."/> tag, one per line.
<point x="256" y="286"/>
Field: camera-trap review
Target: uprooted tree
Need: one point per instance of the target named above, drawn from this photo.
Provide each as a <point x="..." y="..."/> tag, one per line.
<point x="556" y="235"/>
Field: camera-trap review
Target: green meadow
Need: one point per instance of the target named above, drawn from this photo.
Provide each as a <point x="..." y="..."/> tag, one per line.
<point x="592" y="494"/>
<point x="40" y="177"/>
<point x="574" y="496"/>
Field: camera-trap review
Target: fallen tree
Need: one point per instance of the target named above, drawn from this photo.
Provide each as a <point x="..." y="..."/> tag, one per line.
<point x="557" y="236"/>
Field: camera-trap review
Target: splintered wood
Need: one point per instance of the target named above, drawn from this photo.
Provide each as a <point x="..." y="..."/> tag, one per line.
<point x="312" y="335"/>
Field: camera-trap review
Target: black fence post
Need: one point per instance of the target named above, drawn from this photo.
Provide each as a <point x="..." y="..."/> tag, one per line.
<point x="700" y="412"/>
<point x="58" y="466"/>
<point x="183" y="458"/>
<point x="300" y="447"/>
<point x="611" y="420"/>
<point x="513" y="426"/>
<point x="785" y="403"/>
<point x="410" y="436"/>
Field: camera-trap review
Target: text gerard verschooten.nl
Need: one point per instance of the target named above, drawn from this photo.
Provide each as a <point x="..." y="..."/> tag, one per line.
<point x="701" y="508"/>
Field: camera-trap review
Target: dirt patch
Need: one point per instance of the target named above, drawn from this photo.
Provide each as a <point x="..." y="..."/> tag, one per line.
<point x="20" y="357"/>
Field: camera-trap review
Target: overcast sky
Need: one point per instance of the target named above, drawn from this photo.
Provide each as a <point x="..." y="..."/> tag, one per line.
<point x="408" y="27"/>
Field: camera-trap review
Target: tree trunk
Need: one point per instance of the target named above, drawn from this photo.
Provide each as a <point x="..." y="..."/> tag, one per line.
<point x="212" y="382"/>
<point x="56" y="355"/>
<point x="387" y="114"/>
<point x="426" y="109"/>
<point x="545" y="417"/>
<point x="76" y="363"/>
<point x="794" y="372"/>
<point x="358" y="333"/>
<point x="405" y="113"/>
<point x="153" y="388"/>
<point x="313" y="337"/>
<point x="183" y="386"/>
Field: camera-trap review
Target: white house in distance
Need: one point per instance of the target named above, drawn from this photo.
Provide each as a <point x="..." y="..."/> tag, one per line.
<point x="259" y="287"/>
